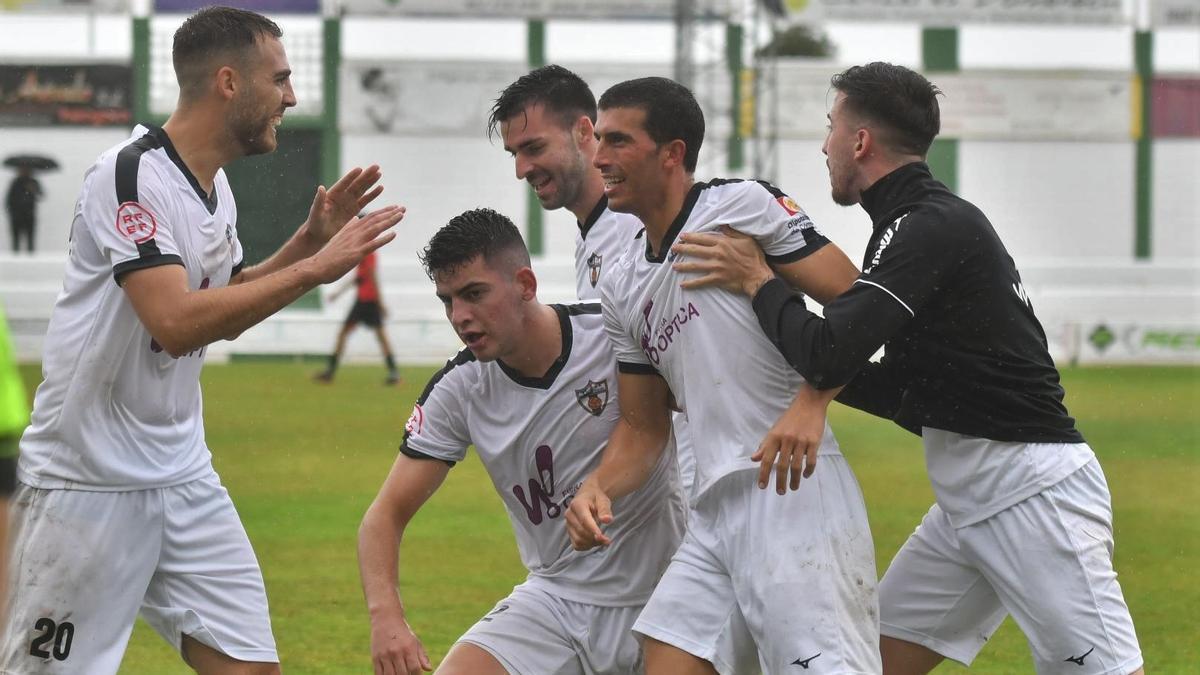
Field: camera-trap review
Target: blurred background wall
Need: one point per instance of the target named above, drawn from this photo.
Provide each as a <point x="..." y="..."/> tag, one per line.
<point x="1074" y="126"/>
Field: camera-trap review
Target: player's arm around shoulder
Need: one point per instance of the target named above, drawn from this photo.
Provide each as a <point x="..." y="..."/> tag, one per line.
<point x="764" y="234"/>
<point x="634" y="447"/>
<point x="395" y="647"/>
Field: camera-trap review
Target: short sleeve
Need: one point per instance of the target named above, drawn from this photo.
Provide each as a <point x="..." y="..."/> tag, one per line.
<point x="631" y="358"/>
<point x="130" y="218"/>
<point x="910" y="260"/>
<point x="437" y="427"/>
<point x="776" y="222"/>
<point x="239" y="255"/>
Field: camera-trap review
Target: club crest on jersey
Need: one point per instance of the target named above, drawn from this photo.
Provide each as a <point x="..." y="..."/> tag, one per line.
<point x="789" y="205"/>
<point x="594" y="397"/>
<point x="135" y="222"/>
<point x="593" y="264"/>
<point x="229" y="234"/>
<point x="416" y="421"/>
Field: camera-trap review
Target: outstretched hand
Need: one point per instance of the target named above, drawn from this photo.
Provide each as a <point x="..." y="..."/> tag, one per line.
<point x="331" y="209"/>
<point x="727" y="259"/>
<point x="353" y="242"/>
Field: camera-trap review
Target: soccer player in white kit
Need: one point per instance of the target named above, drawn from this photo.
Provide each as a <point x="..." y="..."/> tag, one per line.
<point x="1022" y="523"/>
<point x="118" y="509"/>
<point x="535" y="393"/>
<point x="547" y="119"/>
<point x="800" y="567"/>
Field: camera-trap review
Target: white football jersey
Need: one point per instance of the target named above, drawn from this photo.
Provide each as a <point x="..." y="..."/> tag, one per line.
<point x="599" y="242"/>
<point x="538" y="439"/>
<point x="732" y="383"/>
<point x="115" y="410"/>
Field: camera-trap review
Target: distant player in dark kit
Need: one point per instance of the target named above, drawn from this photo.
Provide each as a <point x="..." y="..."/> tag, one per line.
<point x="1022" y="523"/>
<point x="367" y="310"/>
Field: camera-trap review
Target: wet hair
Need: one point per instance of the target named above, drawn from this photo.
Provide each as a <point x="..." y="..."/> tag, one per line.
<point x="671" y="112"/>
<point x="900" y="101"/>
<point x="562" y="93"/>
<point x="478" y="232"/>
<point x="214" y="32"/>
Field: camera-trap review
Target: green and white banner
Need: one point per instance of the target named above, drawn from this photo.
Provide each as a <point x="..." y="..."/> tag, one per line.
<point x="982" y="105"/>
<point x="955" y="12"/>
<point x="1174" y="13"/>
<point x="532" y="9"/>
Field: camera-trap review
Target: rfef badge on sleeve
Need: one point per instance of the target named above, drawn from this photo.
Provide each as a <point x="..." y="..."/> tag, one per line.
<point x="135" y="222"/>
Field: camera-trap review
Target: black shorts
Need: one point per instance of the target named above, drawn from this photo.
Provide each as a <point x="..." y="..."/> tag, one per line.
<point x="366" y="312"/>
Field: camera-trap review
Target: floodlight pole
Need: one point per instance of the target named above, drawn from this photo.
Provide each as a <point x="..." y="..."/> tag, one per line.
<point x="535" y="43"/>
<point x="685" y="35"/>
<point x="939" y="53"/>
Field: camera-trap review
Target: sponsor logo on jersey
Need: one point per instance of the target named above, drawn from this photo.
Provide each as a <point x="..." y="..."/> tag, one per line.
<point x="593" y="397"/>
<point x="229" y="234"/>
<point x="789" y="205"/>
<point x="656" y="341"/>
<point x="541" y="493"/>
<point x="800" y="223"/>
<point x="1019" y="289"/>
<point x="416" y="421"/>
<point x="594" y="262"/>
<point x="135" y="222"/>
<point x="884" y="242"/>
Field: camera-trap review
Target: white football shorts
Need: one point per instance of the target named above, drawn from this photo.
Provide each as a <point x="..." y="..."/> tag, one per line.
<point x="533" y="632"/>
<point x="1046" y="560"/>
<point x="84" y="564"/>
<point x="800" y="568"/>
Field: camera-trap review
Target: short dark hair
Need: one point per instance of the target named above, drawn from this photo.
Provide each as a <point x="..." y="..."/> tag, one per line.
<point x="896" y="98"/>
<point x="211" y="32"/>
<point x="469" y="234"/>
<point x="671" y="112"/>
<point x="560" y="91"/>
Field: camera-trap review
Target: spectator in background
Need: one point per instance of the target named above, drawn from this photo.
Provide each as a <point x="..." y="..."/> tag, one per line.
<point x="21" y="202"/>
<point x="367" y="310"/>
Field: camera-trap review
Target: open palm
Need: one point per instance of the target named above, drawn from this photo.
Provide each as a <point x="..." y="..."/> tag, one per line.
<point x="333" y="208"/>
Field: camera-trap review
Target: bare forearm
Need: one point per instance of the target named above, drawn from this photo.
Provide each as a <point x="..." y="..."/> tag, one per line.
<point x="206" y="316"/>
<point x="379" y="562"/>
<point x="301" y="245"/>
<point x="630" y="458"/>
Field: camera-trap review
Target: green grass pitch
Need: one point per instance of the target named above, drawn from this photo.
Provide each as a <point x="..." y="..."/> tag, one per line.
<point x="303" y="461"/>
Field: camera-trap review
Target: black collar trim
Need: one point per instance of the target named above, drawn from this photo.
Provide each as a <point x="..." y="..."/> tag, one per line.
<point x="894" y="191"/>
<point x="689" y="203"/>
<point x="545" y="381"/>
<point x="210" y="201"/>
<point x="597" y="211"/>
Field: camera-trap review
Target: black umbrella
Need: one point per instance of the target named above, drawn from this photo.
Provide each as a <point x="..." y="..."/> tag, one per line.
<point x="31" y="162"/>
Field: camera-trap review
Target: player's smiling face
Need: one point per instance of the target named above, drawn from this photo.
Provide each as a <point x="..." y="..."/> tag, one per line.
<point x="547" y="154"/>
<point x="629" y="160"/>
<point x="484" y="305"/>
<point x="266" y="93"/>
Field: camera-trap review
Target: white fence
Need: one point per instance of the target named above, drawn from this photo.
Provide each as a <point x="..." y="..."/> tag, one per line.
<point x="1093" y="311"/>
